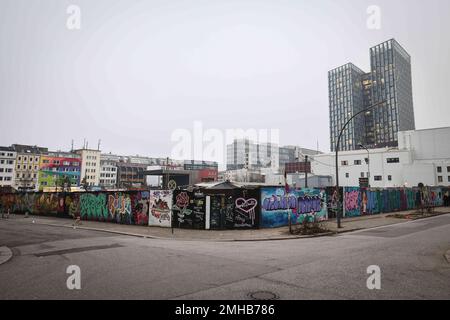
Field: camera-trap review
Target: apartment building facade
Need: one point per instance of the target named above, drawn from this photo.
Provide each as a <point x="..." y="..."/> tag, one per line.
<point x="7" y="166"/>
<point x="58" y="168"/>
<point x="27" y="166"/>
<point x="108" y="172"/>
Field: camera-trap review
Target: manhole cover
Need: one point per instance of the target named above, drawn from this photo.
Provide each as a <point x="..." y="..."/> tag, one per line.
<point x="263" y="295"/>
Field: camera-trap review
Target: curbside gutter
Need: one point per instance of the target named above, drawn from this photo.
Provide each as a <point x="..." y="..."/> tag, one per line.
<point x="138" y="235"/>
<point x="192" y="239"/>
<point x="5" y="254"/>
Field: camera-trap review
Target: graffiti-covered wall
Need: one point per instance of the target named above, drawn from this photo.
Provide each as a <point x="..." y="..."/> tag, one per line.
<point x="359" y="202"/>
<point x="228" y="209"/>
<point x="189" y="209"/>
<point x="160" y="208"/>
<point x="352" y="201"/>
<point x="120" y="207"/>
<point x="300" y="204"/>
<point x="334" y="199"/>
<point x="33" y="203"/>
<point x="237" y="209"/>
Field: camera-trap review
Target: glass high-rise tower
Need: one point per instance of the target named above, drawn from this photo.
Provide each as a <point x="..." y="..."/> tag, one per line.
<point x="346" y="98"/>
<point x="351" y="90"/>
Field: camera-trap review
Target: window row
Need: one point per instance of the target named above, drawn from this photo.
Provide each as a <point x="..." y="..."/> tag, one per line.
<point x="26" y="175"/>
<point x="375" y="178"/>
<point x="25" y="159"/>
<point x="64" y="163"/>
<point x="439" y="169"/>
<point x="24" y="167"/>
<point x="441" y="179"/>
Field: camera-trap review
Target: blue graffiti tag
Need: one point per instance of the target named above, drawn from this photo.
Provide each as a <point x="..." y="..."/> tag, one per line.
<point x="303" y="205"/>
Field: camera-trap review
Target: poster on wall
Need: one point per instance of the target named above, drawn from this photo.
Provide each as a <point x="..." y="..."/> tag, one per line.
<point x="189" y="209"/>
<point x="302" y="204"/>
<point x="160" y="208"/>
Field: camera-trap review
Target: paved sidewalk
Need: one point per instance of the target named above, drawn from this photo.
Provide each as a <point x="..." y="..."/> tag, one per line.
<point x="348" y="224"/>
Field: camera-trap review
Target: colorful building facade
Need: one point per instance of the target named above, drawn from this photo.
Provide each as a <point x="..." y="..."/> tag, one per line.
<point x="55" y="167"/>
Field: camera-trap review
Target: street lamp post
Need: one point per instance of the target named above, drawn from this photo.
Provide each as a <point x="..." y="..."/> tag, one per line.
<point x="368" y="163"/>
<point x="339" y="209"/>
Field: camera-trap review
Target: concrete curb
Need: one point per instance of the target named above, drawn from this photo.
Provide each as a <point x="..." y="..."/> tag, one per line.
<point x="193" y="239"/>
<point x="5" y="254"/>
<point x="188" y="239"/>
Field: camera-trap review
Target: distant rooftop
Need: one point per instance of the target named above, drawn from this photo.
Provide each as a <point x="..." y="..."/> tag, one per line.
<point x="29" y="149"/>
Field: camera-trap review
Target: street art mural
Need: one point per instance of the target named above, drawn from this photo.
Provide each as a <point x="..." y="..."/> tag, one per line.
<point x="238" y="209"/>
<point x="352" y="202"/>
<point x="334" y="199"/>
<point x="359" y="202"/>
<point x="120" y="207"/>
<point x="160" y="208"/>
<point x="234" y="209"/>
<point x="189" y="209"/>
<point x="245" y="215"/>
<point x="93" y="207"/>
<point x="72" y="205"/>
<point x="141" y="203"/>
<point x="276" y="206"/>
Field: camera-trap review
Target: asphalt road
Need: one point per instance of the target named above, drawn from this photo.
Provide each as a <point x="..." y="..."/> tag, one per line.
<point x="410" y="256"/>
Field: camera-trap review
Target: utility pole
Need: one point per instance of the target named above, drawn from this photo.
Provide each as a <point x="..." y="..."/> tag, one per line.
<point x="339" y="209"/>
<point x="306" y="171"/>
<point x="167" y="174"/>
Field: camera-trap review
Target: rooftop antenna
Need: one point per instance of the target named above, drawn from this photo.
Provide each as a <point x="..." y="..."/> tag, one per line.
<point x="71" y="149"/>
<point x="84" y="143"/>
<point x="87" y="144"/>
<point x="99" y="142"/>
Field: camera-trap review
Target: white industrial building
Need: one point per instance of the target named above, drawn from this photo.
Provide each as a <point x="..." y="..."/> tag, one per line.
<point x="108" y="172"/>
<point x="422" y="156"/>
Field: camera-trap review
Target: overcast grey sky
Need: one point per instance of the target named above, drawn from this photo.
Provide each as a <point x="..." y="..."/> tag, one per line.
<point x="137" y="70"/>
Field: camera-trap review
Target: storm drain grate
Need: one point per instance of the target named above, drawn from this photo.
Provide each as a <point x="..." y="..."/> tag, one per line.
<point x="263" y="295"/>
